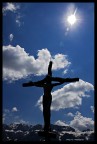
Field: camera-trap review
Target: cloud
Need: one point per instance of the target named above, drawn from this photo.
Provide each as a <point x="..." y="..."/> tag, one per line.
<point x="18" y="120"/>
<point x="13" y="119"/>
<point x="69" y="95"/>
<point x="82" y="123"/>
<point x="78" y="123"/>
<point x="10" y="116"/>
<point x="92" y="108"/>
<point x="65" y="71"/>
<point x="23" y="121"/>
<point x="60" y="123"/>
<point x="6" y="113"/>
<point x="11" y="37"/>
<point x="14" y="8"/>
<point x="70" y="114"/>
<point x="18" y="20"/>
<point x="10" y="7"/>
<point x="14" y="109"/>
<point x="3" y="118"/>
<point x="18" y="64"/>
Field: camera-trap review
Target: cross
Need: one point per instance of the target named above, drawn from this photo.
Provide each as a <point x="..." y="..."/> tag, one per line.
<point x="47" y="86"/>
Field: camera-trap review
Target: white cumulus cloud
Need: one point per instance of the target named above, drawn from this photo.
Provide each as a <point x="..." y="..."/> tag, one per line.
<point x="14" y="109"/>
<point x="92" y="108"/>
<point x="82" y="123"/>
<point x="14" y="8"/>
<point x="10" y="7"/>
<point x="61" y="123"/>
<point x="65" y="71"/>
<point x="10" y="116"/>
<point x="3" y="117"/>
<point x="69" y="95"/>
<point x="18" y="64"/>
<point x="18" y="20"/>
<point x="70" y="114"/>
<point x="11" y="37"/>
<point x="17" y="120"/>
<point x="79" y="122"/>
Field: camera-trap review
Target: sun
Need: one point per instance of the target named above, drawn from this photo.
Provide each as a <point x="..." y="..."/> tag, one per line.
<point x="71" y="19"/>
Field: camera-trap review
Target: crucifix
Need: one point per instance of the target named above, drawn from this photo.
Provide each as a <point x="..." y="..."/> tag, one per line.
<point x="47" y="86"/>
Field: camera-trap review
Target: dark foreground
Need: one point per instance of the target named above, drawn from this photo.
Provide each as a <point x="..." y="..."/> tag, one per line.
<point x="24" y="132"/>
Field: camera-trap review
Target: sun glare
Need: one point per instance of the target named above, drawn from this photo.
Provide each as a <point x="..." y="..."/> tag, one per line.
<point x="71" y="19"/>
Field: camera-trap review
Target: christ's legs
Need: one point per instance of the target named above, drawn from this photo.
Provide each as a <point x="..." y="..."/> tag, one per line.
<point x="46" y="112"/>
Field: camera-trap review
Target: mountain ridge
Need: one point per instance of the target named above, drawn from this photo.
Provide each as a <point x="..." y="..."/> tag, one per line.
<point x="25" y="132"/>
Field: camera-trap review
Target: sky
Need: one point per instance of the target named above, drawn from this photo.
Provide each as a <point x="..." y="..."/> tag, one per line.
<point x="34" y="34"/>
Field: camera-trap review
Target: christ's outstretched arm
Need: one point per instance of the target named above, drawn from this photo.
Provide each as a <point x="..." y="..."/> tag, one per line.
<point x="28" y="84"/>
<point x="64" y="79"/>
<point x="56" y="84"/>
<point x="38" y="84"/>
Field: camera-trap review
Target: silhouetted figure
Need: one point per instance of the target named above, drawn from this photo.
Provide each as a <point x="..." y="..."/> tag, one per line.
<point x="47" y="85"/>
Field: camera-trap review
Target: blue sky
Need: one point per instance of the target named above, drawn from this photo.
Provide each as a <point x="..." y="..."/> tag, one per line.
<point x="34" y="34"/>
